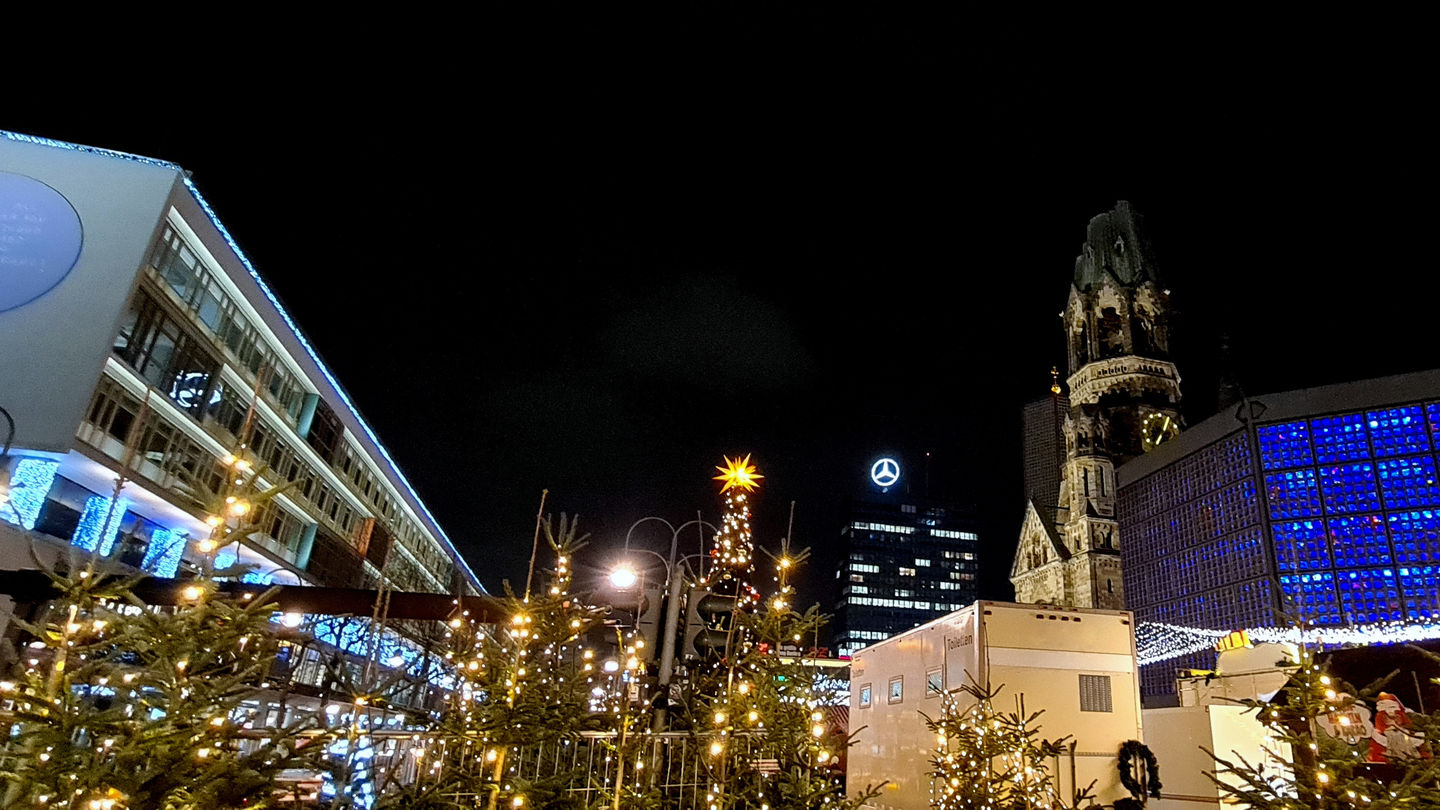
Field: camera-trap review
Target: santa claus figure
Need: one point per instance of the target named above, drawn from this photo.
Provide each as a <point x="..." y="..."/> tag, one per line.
<point x="1392" y="737"/>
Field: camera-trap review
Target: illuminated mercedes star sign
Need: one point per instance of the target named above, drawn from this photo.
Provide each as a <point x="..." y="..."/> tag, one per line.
<point x="885" y="472"/>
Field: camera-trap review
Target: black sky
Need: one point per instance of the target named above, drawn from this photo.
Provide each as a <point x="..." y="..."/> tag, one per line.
<point x="593" y="255"/>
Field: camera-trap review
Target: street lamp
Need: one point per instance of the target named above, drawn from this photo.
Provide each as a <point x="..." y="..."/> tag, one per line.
<point x="674" y="578"/>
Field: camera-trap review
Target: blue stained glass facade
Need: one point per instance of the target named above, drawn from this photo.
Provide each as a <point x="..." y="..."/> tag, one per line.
<point x="1349" y="488"/>
<point x="1368" y="595"/>
<point x="1300" y="545"/>
<point x="1312" y="596"/>
<point x="1340" y="438"/>
<point x="1398" y="431"/>
<point x="1353" y="502"/>
<point x="1420" y="591"/>
<point x="1293" y="494"/>
<point x="1381" y="501"/>
<point x="1408" y="482"/>
<point x="1285" y="446"/>
<point x="1432" y="422"/>
<point x="1358" y="541"/>
<point x="1415" y="536"/>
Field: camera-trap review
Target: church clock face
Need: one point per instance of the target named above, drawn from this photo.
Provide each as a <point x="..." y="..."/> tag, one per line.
<point x="1156" y="429"/>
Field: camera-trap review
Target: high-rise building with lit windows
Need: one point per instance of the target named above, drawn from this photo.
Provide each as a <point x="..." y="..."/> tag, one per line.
<point x="141" y="347"/>
<point x="906" y="560"/>
<point x="1323" y="507"/>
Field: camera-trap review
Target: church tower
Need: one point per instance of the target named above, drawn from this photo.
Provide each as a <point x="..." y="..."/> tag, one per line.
<point x="1124" y="400"/>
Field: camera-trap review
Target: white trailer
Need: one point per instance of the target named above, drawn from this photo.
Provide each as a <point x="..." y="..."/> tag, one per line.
<point x="1076" y="665"/>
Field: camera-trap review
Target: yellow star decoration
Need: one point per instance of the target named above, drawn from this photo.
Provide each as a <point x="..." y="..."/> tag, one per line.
<point x="738" y="473"/>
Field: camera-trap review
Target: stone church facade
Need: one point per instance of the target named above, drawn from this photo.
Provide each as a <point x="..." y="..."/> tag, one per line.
<point x="1124" y="399"/>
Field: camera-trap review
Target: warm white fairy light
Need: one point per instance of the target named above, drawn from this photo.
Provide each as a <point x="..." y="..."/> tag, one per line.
<point x="1156" y="641"/>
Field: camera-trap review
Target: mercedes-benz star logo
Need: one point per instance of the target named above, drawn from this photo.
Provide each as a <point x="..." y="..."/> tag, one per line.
<point x="885" y="472"/>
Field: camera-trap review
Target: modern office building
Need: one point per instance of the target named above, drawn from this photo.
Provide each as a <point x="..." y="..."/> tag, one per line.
<point x="1323" y="507"/>
<point x="144" y="357"/>
<point x="1123" y="400"/>
<point x="906" y="560"/>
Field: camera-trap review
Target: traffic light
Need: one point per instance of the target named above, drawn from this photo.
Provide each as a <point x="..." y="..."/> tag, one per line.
<point x="649" y="618"/>
<point x="644" y="609"/>
<point x="708" y="616"/>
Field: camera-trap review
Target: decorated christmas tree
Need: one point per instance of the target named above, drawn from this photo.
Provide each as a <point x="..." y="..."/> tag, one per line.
<point x="765" y="722"/>
<point x="732" y="557"/>
<point x="120" y="705"/>
<point x="990" y="759"/>
<point x="518" y="688"/>
<point x="1328" y="750"/>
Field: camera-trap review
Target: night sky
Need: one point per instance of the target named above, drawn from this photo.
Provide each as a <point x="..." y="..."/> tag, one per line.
<point x="594" y="256"/>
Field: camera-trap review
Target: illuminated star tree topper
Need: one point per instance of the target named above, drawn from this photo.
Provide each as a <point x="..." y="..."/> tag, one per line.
<point x="734" y="551"/>
<point x="738" y="473"/>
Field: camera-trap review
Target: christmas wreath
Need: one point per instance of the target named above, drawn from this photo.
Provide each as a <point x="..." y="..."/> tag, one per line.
<point x="1128" y="751"/>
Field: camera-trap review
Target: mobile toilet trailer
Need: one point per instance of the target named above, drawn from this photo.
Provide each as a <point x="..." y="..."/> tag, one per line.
<point x="1076" y="665"/>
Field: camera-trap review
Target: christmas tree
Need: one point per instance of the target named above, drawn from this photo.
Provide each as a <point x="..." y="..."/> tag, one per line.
<point x="989" y="759"/>
<point x="1327" y="753"/>
<point x="763" y="723"/>
<point x="733" y="553"/>
<point x="517" y="688"/>
<point x="120" y="705"/>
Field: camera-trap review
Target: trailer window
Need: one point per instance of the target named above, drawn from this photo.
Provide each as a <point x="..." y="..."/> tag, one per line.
<point x="864" y="695"/>
<point x="897" y="689"/>
<point x="933" y="683"/>
<point x="1095" y="693"/>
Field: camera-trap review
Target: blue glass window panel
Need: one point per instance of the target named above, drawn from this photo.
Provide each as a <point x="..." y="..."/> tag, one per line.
<point x="1432" y="416"/>
<point x="1301" y="545"/>
<point x="1398" y="431"/>
<point x="1359" y="541"/>
<point x="99" y="524"/>
<point x="1369" y="595"/>
<point x="1415" y="536"/>
<point x="1408" y="482"/>
<point x="1293" y="494"/>
<point x="1340" y="438"/>
<point x="1350" y="488"/>
<point x="1420" y="591"/>
<point x="1285" y="445"/>
<point x="162" y="556"/>
<point x="30" y="482"/>
<point x="1311" y="597"/>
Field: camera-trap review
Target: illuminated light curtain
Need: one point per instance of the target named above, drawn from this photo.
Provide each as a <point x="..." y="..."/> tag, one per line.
<point x="90" y="532"/>
<point x="162" y="557"/>
<point x="29" y="485"/>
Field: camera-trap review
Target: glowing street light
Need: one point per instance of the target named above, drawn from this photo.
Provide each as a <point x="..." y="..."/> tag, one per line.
<point x="624" y="577"/>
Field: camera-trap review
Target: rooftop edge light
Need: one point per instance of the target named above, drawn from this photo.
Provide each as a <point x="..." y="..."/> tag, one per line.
<point x="275" y="302"/>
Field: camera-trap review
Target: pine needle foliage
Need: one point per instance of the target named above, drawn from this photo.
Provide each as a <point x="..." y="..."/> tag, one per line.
<point x="130" y="706"/>
<point x="1305" y="768"/>
<point x="990" y="759"/>
<point x="762" y="716"/>
<point x="519" y="686"/>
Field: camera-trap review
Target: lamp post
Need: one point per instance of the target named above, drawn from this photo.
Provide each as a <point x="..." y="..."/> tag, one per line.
<point x="674" y="579"/>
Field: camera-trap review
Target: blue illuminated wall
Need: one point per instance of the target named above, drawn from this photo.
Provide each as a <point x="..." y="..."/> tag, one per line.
<point x="1352" y="500"/>
<point x="1356" y="508"/>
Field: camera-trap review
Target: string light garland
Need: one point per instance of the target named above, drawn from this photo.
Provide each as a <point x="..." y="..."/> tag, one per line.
<point x="1156" y="642"/>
